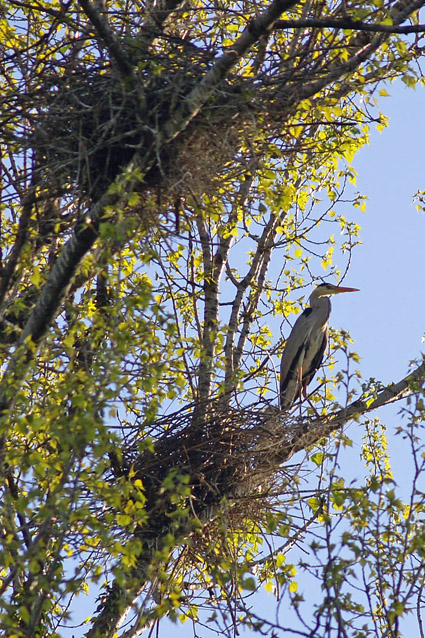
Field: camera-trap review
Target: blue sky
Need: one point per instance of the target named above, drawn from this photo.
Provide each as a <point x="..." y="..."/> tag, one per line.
<point x="387" y="318"/>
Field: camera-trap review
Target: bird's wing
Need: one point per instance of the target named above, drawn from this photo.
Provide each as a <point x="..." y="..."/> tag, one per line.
<point x="293" y="357"/>
<point x="312" y="364"/>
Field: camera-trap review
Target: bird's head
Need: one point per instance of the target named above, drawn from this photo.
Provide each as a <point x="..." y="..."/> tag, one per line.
<point x="326" y="290"/>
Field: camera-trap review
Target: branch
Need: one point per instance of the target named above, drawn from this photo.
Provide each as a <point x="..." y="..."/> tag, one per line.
<point x="201" y="92"/>
<point x="323" y="427"/>
<point x="347" y="23"/>
<point x="290" y="542"/>
<point x="209" y="331"/>
<point x="20" y="241"/>
<point x="217" y="265"/>
<point x="398" y="13"/>
<point x="255" y="279"/>
<point x="108" y="37"/>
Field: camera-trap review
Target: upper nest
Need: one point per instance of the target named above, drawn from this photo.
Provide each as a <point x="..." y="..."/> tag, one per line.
<point x="90" y="122"/>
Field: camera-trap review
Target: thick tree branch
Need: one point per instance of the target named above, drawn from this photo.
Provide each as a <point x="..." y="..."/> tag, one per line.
<point x="349" y="24"/>
<point x="319" y="428"/>
<point x="108" y="37"/>
<point x="199" y="95"/>
<point x="7" y="275"/>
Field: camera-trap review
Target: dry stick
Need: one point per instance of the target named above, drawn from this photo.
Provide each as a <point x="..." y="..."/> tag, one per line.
<point x="348" y="23"/>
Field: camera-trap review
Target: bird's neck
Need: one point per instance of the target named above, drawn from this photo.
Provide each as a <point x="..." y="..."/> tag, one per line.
<point x="322" y="304"/>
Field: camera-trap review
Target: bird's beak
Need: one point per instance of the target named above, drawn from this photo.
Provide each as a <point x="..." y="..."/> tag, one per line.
<point x="339" y="289"/>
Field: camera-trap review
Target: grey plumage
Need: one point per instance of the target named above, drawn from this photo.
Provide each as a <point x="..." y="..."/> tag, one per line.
<point x="306" y="345"/>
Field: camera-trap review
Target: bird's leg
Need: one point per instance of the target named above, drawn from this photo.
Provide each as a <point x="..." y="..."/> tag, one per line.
<point x="301" y="387"/>
<point x="316" y="413"/>
<point x="307" y="398"/>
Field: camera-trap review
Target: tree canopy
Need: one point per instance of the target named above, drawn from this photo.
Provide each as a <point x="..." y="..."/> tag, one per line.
<point x="174" y="174"/>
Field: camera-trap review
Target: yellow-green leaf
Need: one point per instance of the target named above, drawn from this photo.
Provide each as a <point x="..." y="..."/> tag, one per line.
<point x="35" y="278"/>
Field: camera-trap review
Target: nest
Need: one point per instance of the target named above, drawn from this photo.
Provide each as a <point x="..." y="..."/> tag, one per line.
<point x="91" y="122"/>
<point x="88" y="132"/>
<point x="229" y="455"/>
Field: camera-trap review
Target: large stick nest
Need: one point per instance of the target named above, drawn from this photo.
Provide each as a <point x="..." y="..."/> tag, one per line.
<point x="90" y="121"/>
<point x="227" y="454"/>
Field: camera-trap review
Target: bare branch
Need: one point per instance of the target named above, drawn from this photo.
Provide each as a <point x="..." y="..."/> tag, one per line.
<point x="108" y="37"/>
<point x="323" y="427"/>
<point x="347" y="23"/>
<point x="210" y="315"/>
<point x="258" y="267"/>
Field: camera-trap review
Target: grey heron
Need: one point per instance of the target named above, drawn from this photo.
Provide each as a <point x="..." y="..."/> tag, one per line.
<point x="306" y="345"/>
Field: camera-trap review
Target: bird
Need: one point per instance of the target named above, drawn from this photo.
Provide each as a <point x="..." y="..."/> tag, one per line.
<point x="306" y="345"/>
